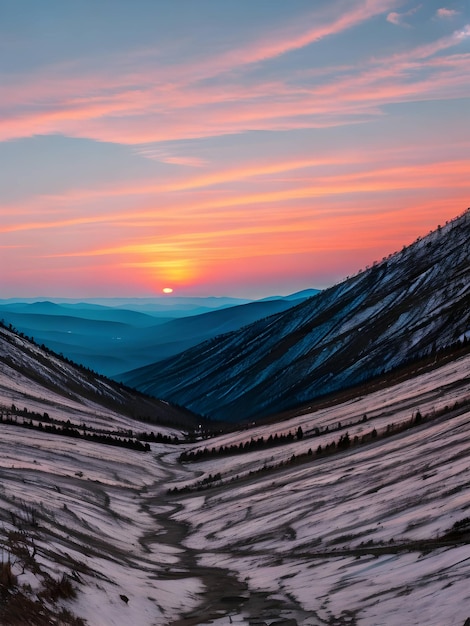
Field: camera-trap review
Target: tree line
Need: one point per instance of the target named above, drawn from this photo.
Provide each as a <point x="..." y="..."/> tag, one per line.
<point x="334" y="447"/>
<point x="43" y="422"/>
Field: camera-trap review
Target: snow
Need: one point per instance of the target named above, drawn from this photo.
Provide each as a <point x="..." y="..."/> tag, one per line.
<point x="339" y="536"/>
<point x="291" y="532"/>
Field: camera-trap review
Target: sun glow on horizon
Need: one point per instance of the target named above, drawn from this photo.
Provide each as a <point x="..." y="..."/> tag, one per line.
<point x="277" y="157"/>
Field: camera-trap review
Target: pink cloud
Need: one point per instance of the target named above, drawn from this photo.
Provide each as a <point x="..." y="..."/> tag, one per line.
<point x="280" y="43"/>
<point x="183" y="110"/>
<point x="446" y="13"/>
<point x="394" y="18"/>
<point x="399" y="19"/>
<point x="164" y="157"/>
<point x="155" y="91"/>
<point x="132" y="119"/>
<point x="188" y="112"/>
<point x="226" y="204"/>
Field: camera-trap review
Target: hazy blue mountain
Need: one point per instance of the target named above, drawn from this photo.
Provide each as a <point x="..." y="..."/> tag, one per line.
<point x="160" y="306"/>
<point x="411" y="303"/>
<point x="82" y="310"/>
<point x="111" y="340"/>
<point x="298" y="295"/>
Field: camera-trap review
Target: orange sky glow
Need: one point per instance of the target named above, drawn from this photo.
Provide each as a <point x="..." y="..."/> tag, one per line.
<point x="248" y="151"/>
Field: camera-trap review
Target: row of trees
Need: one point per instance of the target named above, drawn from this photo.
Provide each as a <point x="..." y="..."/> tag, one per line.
<point x="342" y="444"/>
<point x="66" y="429"/>
<point x="245" y="446"/>
<point x="10" y="416"/>
<point x="261" y="443"/>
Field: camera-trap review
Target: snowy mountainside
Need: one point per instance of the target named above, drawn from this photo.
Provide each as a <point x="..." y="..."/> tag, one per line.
<point x="411" y="303"/>
<point x="76" y="524"/>
<point x="298" y="531"/>
<point x="375" y="531"/>
<point x="25" y="365"/>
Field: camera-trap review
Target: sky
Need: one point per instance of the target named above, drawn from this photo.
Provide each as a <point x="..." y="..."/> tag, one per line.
<point x="243" y="148"/>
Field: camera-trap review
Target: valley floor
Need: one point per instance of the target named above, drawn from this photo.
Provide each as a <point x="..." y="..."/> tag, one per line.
<point x="374" y="533"/>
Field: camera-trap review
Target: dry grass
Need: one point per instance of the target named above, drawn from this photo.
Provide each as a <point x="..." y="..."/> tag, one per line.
<point x="8" y="580"/>
<point x="17" y="609"/>
<point x="58" y="589"/>
<point x="18" y="605"/>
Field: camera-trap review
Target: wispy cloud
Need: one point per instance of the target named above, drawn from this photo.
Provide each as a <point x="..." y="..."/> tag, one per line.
<point x="188" y="110"/>
<point x="279" y="43"/>
<point x="337" y="101"/>
<point x="144" y="214"/>
<point x="122" y="103"/>
<point x="400" y="19"/>
<point x="173" y="159"/>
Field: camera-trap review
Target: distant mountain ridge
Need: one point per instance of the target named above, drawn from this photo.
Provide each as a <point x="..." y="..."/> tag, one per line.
<point x="411" y="303"/>
<point x="112" y="339"/>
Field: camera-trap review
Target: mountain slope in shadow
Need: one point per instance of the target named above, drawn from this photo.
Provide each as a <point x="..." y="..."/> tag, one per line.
<point x="29" y="371"/>
<point x="414" y="302"/>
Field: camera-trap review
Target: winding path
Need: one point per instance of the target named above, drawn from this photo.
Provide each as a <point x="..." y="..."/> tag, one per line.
<point x="224" y="595"/>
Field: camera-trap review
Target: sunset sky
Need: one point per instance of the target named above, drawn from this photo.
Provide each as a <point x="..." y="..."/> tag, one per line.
<point x="225" y="147"/>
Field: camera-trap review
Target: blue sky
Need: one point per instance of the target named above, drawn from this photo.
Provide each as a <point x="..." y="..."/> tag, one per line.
<point x="225" y="148"/>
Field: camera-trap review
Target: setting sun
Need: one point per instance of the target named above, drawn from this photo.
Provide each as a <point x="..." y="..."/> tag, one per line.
<point x="296" y="146"/>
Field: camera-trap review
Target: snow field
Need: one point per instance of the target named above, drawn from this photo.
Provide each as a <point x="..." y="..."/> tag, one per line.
<point x="352" y="532"/>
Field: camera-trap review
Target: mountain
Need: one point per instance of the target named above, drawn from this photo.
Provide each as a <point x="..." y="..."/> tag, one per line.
<point x="26" y="366"/>
<point x="410" y="304"/>
<point x="175" y="336"/>
<point x="84" y="310"/>
<point x="297" y="296"/>
<point x="110" y="340"/>
<point x="353" y="511"/>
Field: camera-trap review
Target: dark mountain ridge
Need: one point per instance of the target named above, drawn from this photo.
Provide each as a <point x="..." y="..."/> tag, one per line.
<point x="411" y="303"/>
<point x="28" y="366"/>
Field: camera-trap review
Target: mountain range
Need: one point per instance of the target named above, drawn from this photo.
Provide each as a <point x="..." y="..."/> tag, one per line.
<point x="117" y="508"/>
<point x="113" y="335"/>
<point x="411" y="303"/>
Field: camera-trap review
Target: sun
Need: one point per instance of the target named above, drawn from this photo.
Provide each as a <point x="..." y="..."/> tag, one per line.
<point x="167" y="290"/>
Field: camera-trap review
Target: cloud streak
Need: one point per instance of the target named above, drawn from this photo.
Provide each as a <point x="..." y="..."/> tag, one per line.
<point x="227" y="206"/>
<point x="400" y="19"/>
<point x="137" y="96"/>
<point x="187" y="110"/>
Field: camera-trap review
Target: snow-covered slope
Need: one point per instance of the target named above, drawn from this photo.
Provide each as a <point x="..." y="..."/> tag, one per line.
<point x="75" y="531"/>
<point x="411" y="303"/>
<point x="371" y="533"/>
<point x="374" y="533"/>
<point x="25" y="365"/>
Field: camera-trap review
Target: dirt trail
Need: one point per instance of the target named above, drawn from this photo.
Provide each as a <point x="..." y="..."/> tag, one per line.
<point x="224" y="595"/>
